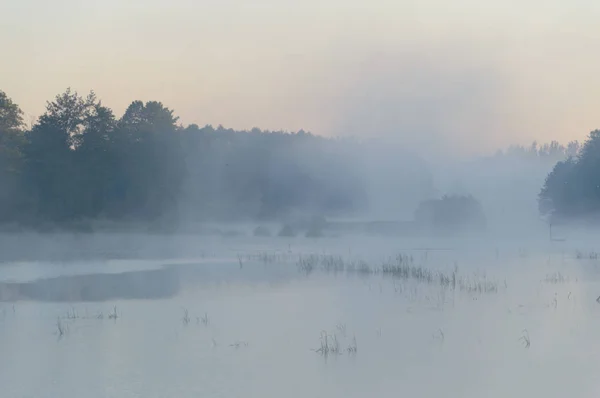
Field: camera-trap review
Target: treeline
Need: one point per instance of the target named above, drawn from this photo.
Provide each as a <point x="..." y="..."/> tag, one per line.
<point x="79" y="161"/>
<point x="553" y="151"/>
<point x="572" y="189"/>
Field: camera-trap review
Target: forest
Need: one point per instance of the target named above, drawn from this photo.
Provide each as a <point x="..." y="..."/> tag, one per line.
<point x="79" y="162"/>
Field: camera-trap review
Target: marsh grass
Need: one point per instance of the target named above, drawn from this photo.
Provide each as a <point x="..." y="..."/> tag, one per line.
<point x="439" y="335"/>
<point x="363" y="269"/>
<point x="525" y="338"/>
<point x="72" y="314"/>
<point x="62" y="322"/>
<point x="330" y="344"/>
<point x="479" y="286"/>
<point x="61" y="328"/>
<point x="186" y="317"/>
<point x="556" y="278"/>
<point x="238" y="344"/>
<point x="307" y="264"/>
<point x="352" y="347"/>
<point x="113" y="315"/>
<point x="401" y="267"/>
<point x="586" y="256"/>
<point x="271" y="257"/>
<point x="330" y="263"/>
<point x="555" y="301"/>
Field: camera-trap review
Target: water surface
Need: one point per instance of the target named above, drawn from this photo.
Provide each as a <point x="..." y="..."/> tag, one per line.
<point x="231" y="323"/>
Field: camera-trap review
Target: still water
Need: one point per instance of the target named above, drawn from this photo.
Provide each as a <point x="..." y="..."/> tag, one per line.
<point x="250" y="322"/>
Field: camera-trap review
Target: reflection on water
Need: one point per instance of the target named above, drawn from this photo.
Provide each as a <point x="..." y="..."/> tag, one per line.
<point x="155" y="283"/>
<point x="150" y="284"/>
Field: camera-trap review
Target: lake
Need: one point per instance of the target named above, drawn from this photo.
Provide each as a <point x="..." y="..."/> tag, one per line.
<point x="274" y="317"/>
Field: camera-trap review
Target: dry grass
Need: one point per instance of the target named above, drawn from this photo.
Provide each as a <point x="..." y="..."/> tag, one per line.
<point x="271" y="257"/>
<point x="61" y="327"/>
<point x="330" y="344"/>
<point x="586" y="256"/>
<point x="556" y="278"/>
<point x="402" y="267"/>
<point x="186" y="317"/>
<point x="525" y="339"/>
<point x="113" y="315"/>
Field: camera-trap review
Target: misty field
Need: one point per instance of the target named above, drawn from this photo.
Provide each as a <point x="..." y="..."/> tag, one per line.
<point x="296" y="317"/>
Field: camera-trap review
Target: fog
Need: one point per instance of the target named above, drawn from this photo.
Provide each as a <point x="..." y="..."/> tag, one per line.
<point x="346" y="291"/>
<point x="311" y="199"/>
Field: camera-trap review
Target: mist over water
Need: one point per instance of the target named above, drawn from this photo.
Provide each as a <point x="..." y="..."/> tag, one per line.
<point x="514" y="312"/>
<point x="184" y="261"/>
<point x="299" y="199"/>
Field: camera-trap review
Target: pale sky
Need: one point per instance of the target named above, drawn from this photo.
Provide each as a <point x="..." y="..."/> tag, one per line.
<point x="471" y="73"/>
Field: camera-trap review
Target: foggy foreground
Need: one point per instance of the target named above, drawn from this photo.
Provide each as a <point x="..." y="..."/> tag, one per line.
<point x="298" y="317"/>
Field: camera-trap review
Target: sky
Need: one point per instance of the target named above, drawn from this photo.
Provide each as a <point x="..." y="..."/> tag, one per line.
<point x="470" y="74"/>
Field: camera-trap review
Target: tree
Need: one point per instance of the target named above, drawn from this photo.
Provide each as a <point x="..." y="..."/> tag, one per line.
<point x="97" y="162"/>
<point x="572" y="188"/>
<point x="11" y="142"/>
<point x="149" y="151"/>
<point x="68" y="113"/>
<point x="78" y="161"/>
<point x="52" y="176"/>
<point x="557" y="193"/>
<point x="11" y="116"/>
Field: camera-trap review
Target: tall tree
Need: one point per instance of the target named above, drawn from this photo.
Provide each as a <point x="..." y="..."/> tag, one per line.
<point x="52" y="174"/>
<point x="11" y="142"/>
<point x="152" y="163"/>
<point x="572" y="189"/>
<point x="11" y="116"/>
<point x="97" y="160"/>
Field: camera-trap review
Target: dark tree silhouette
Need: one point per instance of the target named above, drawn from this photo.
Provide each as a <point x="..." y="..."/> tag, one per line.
<point x="572" y="189"/>
<point x="11" y="158"/>
<point x="79" y="162"/>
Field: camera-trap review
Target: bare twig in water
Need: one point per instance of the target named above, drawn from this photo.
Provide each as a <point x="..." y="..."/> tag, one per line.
<point x="525" y="338"/>
<point x="324" y="350"/>
<point x="113" y="315"/>
<point x="329" y="345"/>
<point x="353" y="347"/>
<point x="239" y="344"/>
<point x="186" y="317"/>
<point x="61" y="328"/>
<point x="72" y="314"/>
<point x="439" y="335"/>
